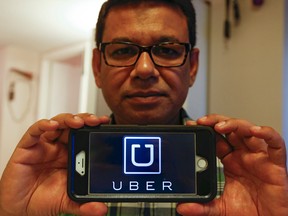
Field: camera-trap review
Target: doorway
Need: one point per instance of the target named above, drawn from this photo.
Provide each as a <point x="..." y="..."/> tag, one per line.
<point x="67" y="83"/>
<point x="61" y="81"/>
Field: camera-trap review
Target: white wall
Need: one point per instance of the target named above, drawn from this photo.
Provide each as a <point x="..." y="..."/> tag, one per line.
<point x="285" y="79"/>
<point x="64" y="88"/>
<point x="17" y="115"/>
<point x="2" y="69"/>
<point x="196" y="103"/>
<point x="246" y="71"/>
<point x="61" y="72"/>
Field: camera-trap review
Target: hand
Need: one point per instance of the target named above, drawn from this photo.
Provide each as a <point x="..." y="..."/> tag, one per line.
<point x="254" y="159"/>
<point x="35" y="179"/>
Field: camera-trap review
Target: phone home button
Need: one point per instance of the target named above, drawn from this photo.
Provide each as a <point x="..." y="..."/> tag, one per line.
<point x="202" y="164"/>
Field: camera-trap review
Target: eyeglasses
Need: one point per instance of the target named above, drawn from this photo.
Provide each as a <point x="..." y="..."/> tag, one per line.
<point x="125" y="54"/>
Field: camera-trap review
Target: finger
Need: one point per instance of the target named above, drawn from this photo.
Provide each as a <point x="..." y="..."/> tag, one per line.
<point x="33" y="134"/>
<point x="86" y="209"/>
<point x="225" y="125"/>
<point x="238" y="133"/>
<point x="191" y="123"/>
<point x="93" y="209"/>
<point x="197" y="209"/>
<point x="272" y="137"/>
<point x="52" y="136"/>
<point x="190" y="209"/>
<point x="276" y="144"/>
<point x="223" y="147"/>
<point x="92" y="120"/>
<point x="239" y="126"/>
<point x="68" y="120"/>
<point x="83" y="119"/>
<point x="211" y="120"/>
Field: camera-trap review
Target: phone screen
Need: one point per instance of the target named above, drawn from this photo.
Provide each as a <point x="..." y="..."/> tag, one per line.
<point x="122" y="162"/>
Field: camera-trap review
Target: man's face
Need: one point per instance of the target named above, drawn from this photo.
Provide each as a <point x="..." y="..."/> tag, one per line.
<point x="145" y="93"/>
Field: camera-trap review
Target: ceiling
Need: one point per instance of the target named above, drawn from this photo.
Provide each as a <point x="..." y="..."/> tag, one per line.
<point x="43" y="25"/>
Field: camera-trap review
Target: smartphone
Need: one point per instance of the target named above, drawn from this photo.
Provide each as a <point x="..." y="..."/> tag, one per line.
<point x="130" y="163"/>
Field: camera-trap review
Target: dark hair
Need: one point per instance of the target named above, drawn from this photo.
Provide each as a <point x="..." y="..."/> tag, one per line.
<point x="185" y="5"/>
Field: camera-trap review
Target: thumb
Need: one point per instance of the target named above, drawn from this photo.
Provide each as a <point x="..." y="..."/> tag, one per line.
<point x="93" y="209"/>
<point x="86" y="209"/>
<point x="198" y="209"/>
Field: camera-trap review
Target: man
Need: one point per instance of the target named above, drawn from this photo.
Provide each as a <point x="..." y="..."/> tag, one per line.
<point x="145" y="63"/>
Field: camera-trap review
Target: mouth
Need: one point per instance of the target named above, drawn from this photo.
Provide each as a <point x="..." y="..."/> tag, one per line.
<point x="142" y="97"/>
<point x="145" y="94"/>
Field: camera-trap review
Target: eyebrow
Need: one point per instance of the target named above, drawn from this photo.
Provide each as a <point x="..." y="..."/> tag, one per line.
<point x="121" y="39"/>
<point x="167" y="39"/>
<point x="157" y="41"/>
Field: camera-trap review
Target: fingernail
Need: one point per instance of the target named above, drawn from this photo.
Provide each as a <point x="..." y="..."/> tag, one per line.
<point x="190" y="122"/>
<point x="53" y="122"/>
<point x="76" y="117"/>
<point x="93" y="116"/>
<point x="256" y="128"/>
<point x="203" y="118"/>
<point x="221" y="124"/>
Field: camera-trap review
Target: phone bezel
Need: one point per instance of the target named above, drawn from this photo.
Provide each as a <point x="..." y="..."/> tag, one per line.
<point x="205" y="147"/>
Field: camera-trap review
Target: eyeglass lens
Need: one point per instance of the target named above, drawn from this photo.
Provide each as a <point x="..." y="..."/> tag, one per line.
<point x="121" y="54"/>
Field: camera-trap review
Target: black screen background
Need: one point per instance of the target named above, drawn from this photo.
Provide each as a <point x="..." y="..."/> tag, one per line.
<point x="106" y="163"/>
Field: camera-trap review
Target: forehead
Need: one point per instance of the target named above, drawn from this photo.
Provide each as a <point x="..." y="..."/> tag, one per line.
<point x="146" y="22"/>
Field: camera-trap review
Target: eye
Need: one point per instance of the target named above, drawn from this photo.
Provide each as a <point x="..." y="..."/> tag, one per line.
<point x="168" y="50"/>
<point x="121" y="51"/>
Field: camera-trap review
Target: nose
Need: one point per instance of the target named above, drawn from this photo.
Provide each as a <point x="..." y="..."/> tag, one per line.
<point x="144" y="67"/>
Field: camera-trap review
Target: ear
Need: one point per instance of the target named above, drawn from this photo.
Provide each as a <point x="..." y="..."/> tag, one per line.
<point x="194" y="62"/>
<point x="96" y="65"/>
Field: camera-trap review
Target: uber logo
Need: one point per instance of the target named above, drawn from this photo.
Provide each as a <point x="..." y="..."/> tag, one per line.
<point x="142" y="155"/>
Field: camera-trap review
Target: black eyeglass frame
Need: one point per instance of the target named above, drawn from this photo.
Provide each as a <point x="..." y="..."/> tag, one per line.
<point x="188" y="48"/>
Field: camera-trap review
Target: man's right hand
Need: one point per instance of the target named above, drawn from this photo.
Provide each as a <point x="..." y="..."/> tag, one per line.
<point x="34" y="181"/>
